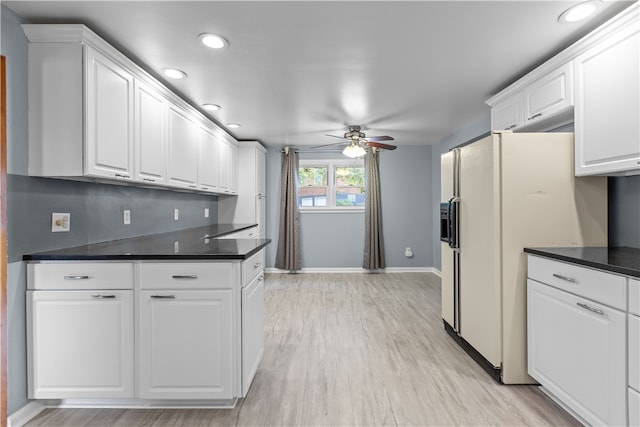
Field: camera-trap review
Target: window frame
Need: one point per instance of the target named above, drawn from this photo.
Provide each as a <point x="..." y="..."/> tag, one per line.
<point x="331" y="165"/>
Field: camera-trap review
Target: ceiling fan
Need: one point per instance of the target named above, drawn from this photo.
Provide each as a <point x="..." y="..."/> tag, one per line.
<point x="355" y="140"/>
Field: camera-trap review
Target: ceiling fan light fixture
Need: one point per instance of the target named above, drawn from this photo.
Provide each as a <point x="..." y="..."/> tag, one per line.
<point x="579" y="11"/>
<point x="354" y="150"/>
<point x="213" y="41"/>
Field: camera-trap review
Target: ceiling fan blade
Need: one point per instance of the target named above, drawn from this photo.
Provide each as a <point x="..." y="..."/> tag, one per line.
<point x="335" y="136"/>
<point x="379" y="138"/>
<point x="380" y="145"/>
<point x="329" y="145"/>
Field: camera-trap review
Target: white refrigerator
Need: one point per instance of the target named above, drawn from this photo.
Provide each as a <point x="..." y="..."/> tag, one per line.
<point x="499" y="195"/>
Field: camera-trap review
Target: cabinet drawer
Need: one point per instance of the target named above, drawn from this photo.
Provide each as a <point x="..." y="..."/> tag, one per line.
<point x="80" y="276"/>
<point x="634" y="296"/>
<point x="596" y="285"/>
<point x="634" y="352"/>
<point x="634" y="408"/>
<point x="251" y="267"/>
<point x="186" y="275"/>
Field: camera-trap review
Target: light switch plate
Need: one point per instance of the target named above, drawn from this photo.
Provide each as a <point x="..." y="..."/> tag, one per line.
<point x="126" y="217"/>
<point x="60" y="222"/>
<point x="206" y="212"/>
<point x="176" y="214"/>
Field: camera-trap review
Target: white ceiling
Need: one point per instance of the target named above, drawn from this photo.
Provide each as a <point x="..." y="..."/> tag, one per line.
<point x="295" y="70"/>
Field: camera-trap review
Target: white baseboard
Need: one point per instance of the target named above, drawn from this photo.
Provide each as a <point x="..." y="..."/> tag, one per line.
<point x="358" y="270"/>
<point x="25" y="414"/>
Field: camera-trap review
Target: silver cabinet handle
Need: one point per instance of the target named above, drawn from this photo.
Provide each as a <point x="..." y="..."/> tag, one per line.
<point x="588" y="307"/>
<point x="149" y="179"/>
<point x="119" y="175"/>
<point x="256" y="265"/>
<point x="103" y="296"/>
<point x="163" y="296"/>
<point x="261" y="278"/>
<point x="535" y="116"/>
<point x="565" y="278"/>
<point x="76" y="277"/>
<point x="510" y="127"/>
<point x="193" y="186"/>
<point x="185" y="276"/>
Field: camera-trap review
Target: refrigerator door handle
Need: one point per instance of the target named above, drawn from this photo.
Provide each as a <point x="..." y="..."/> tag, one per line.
<point x="450" y="223"/>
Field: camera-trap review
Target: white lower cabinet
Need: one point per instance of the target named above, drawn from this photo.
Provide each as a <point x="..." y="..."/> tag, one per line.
<point x="186" y="345"/>
<point x="577" y="351"/>
<point x="252" y="330"/>
<point x="194" y="333"/>
<point x="80" y="344"/>
<point x="577" y="346"/>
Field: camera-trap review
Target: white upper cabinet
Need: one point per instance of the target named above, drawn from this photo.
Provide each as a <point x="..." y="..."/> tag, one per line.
<point x="208" y="161"/>
<point x="183" y="149"/>
<point x="541" y="104"/>
<point x="608" y="105"/>
<point x="108" y="117"/>
<point x="233" y="160"/>
<point x="549" y="95"/>
<point x="508" y="114"/>
<point x="93" y="113"/>
<point x="594" y="83"/>
<point x="250" y="205"/>
<point x="150" y="135"/>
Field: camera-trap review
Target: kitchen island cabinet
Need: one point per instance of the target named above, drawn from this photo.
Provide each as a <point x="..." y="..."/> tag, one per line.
<point x="196" y="328"/>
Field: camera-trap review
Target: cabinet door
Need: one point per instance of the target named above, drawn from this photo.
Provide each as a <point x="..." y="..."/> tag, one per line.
<point x="577" y="350"/>
<point x="508" y="114"/>
<point x="252" y="330"/>
<point x="261" y="178"/>
<point x="224" y="166"/>
<point x="150" y="135"/>
<point x="186" y="345"/>
<point x="607" y="108"/>
<point x="183" y="149"/>
<point x="549" y="94"/>
<point x="234" y="158"/>
<point x="80" y="344"/>
<point x="109" y="118"/>
<point x="208" y="162"/>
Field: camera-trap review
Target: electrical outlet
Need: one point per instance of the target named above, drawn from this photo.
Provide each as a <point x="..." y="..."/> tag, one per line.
<point x="206" y="212"/>
<point x="126" y="217"/>
<point x="176" y="214"/>
<point x="60" y="222"/>
<point x="176" y="247"/>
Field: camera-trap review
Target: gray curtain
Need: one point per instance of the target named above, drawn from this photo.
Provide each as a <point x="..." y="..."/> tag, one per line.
<point x="288" y="253"/>
<point x="373" y="241"/>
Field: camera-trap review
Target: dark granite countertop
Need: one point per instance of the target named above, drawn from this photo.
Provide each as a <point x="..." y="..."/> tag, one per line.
<point x="619" y="260"/>
<point x="190" y="244"/>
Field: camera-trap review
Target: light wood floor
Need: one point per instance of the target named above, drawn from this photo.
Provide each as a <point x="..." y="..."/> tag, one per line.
<point x="352" y="349"/>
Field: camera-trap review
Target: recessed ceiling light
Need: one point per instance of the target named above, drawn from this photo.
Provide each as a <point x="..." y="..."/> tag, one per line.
<point x="213" y="41"/>
<point x="233" y="125"/>
<point x="211" y="107"/>
<point x="174" y="73"/>
<point x="579" y="11"/>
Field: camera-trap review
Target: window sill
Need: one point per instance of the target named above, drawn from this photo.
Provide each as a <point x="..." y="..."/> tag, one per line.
<point x="331" y="210"/>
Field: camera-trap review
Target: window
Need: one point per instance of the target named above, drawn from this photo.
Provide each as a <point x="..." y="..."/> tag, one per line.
<point x="331" y="184"/>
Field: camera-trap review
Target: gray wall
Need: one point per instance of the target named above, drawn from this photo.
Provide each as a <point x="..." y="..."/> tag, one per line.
<point x="330" y="240"/>
<point x="96" y="209"/>
<point x="624" y="211"/>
